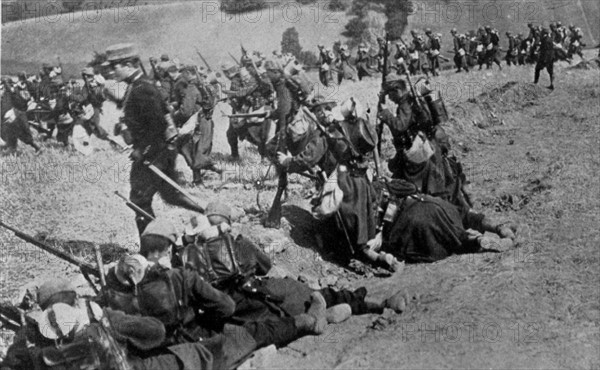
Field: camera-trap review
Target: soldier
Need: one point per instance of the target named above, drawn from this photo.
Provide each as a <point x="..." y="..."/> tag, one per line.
<point x="76" y="333"/>
<point x="418" y="55"/>
<point x="196" y="146"/>
<point x="575" y="43"/>
<point x="346" y="70"/>
<point x="249" y="92"/>
<point x="523" y="49"/>
<point x="513" y="49"/>
<point x="459" y="52"/>
<point x="492" y="45"/>
<point x="401" y="58"/>
<point x="189" y="307"/>
<point x="15" y="125"/>
<point x="363" y="62"/>
<point x="93" y="96"/>
<point x="545" y="58"/>
<point x="557" y="38"/>
<point x="434" y="47"/>
<point x="152" y="131"/>
<point x="326" y="59"/>
<point x="254" y="294"/>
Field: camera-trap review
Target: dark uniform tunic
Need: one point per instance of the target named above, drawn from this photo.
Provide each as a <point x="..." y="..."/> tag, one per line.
<point x="19" y="128"/>
<point x="144" y="114"/>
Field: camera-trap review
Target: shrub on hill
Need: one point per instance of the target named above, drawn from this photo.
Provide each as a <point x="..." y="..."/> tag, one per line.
<point x="241" y="6"/>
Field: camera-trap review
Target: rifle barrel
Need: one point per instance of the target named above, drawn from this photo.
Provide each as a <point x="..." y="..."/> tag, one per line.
<point x="85" y="267"/>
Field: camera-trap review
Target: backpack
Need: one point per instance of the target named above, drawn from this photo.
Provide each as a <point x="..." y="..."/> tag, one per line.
<point x="156" y="297"/>
<point x="214" y="259"/>
<point x="95" y="348"/>
<point x="299" y="85"/>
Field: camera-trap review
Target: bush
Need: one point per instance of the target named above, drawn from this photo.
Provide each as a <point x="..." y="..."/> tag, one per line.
<point x="241" y="6"/>
<point x="308" y="58"/>
<point x="337" y="6"/>
<point x="355" y="28"/>
<point x="290" y="42"/>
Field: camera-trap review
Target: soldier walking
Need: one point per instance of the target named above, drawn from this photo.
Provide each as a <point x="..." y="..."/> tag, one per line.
<point x="153" y="134"/>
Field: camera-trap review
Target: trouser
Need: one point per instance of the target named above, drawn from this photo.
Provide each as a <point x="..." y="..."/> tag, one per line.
<point x="92" y="126"/>
<point x="460" y="62"/>
<point x="18" y="130"/>
<point x="145" y="183"/>
<point x="541" y="65"/>
<point x="510" y="58"/>
<point x="434" y="63"/>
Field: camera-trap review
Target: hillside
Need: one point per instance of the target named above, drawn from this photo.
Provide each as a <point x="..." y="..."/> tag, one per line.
<point x="506" y="16"/>
<point x="175" y="29"/>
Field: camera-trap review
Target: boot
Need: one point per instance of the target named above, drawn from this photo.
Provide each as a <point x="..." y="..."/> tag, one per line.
<point x="397" y="302"/>
<point x="338" y="313"/>
<point x="314" y="320"/>
<point x="197" y="177"/>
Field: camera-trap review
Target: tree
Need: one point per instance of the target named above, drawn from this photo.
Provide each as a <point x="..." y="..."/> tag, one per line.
<point x="337" y="6"/>
<point x="308" y="58"/>
<point x="290" y="42"/>
<point x="241" y="6"/>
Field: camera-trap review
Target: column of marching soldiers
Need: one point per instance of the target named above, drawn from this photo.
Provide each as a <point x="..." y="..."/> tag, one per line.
<point x="201" y="299"/>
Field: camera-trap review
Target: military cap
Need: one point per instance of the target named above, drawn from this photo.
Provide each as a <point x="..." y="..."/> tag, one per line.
<point x="118" y="52"/>
<point x="529" y="25"/>
<point x="172" y="67"/>
<point x="559" y="24"/>
<point x="453" y="31"/>
<point x="164" y="57"/>
<point x="427" y="31"/>
<point x="488" y="28"/>
<point x="131" y="269"/>
<point x="380" y="39"/>
<point x="88" y="71"/>
<point x="50" y="288"/>
<point x="230" y="67"/>
<point x="508" y="33"/>
<point x="413" y="32"/>
<point x="161" y="227"/>
<point x="218" y="209"/>
<point x="201" y="71"/>
<point x="273" y="64"/>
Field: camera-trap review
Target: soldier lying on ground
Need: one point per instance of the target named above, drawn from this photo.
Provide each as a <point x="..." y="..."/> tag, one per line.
<point x="190" y="307"/>
<point x="423" y="162"/>
<point x="242" y="275"/>
<point x="70" y="332"/>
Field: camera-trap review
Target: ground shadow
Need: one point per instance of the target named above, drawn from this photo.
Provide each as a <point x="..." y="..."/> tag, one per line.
<point x="305" y="230"/>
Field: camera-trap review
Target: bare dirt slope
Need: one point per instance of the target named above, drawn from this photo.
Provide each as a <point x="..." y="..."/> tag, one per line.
<point x="532" y="156"/>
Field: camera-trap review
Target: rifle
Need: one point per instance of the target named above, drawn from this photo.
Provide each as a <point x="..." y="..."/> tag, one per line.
<point x="10" y="316"/>
<point x="86" y="268"/>
<point x="412" y="88"/>
<point x="380" y="103"/>
<point x="170" y="181"/>
<point x="134" y="207"/>
<point x="143" y="68"/>
<point x="249" y="115"/>
<point x="203" y="60"/>
<point x="234" y="59"/>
